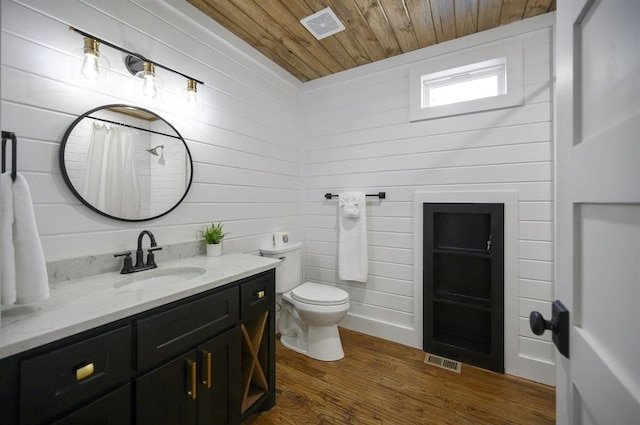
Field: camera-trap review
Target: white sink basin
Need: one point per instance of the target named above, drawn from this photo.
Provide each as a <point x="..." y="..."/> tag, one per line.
<point x="147" y="278"/>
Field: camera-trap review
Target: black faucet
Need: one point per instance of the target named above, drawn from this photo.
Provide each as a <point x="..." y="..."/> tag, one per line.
<point x="140" y="263"/>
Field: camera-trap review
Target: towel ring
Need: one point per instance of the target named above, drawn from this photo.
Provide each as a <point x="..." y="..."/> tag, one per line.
<point x="7" y="135"/>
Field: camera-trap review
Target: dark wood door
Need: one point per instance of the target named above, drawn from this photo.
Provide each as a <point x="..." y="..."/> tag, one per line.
<point x="219" y="380"/>
<point x="463" y="266"/>
<point x="168" y="395"/>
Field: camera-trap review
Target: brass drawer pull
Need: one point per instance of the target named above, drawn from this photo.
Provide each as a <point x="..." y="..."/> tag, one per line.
<point x="259" y="294"/>
<point x="84" y="371"/>
<point x="194" y="379"/>
<point x="207" y="380"/>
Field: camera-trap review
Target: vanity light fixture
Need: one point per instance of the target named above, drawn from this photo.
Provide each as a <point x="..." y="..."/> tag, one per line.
<point x="147" y="82"/>
<point x="93" y="65"/>
<point x="90" y="69"/>
<point x="193" y="101"/>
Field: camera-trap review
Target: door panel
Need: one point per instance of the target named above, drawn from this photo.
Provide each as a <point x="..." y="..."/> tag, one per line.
<point x="608" y="271"/>
<point x="220" y="376"/>
<point x="165" y="396"/>
<point x="606" y="343"/>
<point x="605" y="78"/>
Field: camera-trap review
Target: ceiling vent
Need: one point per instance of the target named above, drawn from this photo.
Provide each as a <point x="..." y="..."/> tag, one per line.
<point x="323" y="23"/>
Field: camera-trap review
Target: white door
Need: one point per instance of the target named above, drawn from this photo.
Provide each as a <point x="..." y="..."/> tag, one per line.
<point x="598" y="209"/>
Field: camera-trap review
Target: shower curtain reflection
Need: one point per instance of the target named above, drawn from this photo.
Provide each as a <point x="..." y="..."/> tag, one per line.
<point x="111" y="180"/>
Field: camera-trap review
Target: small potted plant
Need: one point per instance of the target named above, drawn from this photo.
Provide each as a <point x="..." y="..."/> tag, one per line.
<point x="213" y="236"/>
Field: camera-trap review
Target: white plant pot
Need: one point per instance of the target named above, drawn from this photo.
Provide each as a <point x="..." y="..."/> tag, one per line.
<point x="214" y="250"/>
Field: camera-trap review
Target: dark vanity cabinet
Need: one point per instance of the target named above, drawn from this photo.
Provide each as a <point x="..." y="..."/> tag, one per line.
<point x="188" y="362"/>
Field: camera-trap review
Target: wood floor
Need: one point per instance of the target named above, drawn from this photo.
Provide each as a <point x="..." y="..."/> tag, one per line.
<point x="380" y="382"/>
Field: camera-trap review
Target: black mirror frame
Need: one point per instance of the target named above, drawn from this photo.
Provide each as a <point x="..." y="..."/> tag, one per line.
<point x="67" y="180"/>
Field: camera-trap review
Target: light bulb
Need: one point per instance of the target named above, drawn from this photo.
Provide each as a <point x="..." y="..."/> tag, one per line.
<point x="149" y="86"/>
<point x="88" y="66"/>
<point x="90" y="69"/>
<point x="192" y="96"/>
<point x="192" y="101"/>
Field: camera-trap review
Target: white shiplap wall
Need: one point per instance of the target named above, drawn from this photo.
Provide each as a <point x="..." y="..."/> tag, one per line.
<point x="357" y="136"/>
<point x="245" y="144"/>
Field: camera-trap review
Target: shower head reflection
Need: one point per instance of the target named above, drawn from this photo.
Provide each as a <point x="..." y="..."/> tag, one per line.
<point x="154" y="151"/>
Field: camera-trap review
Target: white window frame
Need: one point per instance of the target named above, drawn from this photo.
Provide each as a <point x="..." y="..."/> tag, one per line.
<point x="493" y="68"/>
<point x="509" y="53"/>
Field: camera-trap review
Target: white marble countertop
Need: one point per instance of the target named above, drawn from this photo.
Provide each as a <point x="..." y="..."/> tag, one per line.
<point x="83" y="304"/>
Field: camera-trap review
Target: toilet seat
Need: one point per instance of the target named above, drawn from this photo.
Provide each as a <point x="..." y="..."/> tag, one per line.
<point x="317" y="294"/>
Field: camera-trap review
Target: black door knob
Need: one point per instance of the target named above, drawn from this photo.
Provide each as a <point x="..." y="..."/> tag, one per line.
<point x="559" y="325"/>
<point x="538" y="324"/>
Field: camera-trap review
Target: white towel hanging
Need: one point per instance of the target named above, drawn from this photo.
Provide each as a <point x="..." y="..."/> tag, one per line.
<point x="32" y="283"/>
<point x="353" y="262"/>
<point x="7" y="255"/>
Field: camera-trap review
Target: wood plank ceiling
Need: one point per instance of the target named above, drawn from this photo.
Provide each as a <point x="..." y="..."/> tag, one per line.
<point x="375" y="29"/>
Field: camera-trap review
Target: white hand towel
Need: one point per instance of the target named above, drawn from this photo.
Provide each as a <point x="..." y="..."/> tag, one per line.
<point x="32" y="283"/>
<point x="349" y="203"/>
<point x="7" y="256"/>
<point x="353" y="261"/>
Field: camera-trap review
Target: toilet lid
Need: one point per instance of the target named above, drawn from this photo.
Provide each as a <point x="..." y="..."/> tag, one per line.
<point x="315" y="293"/>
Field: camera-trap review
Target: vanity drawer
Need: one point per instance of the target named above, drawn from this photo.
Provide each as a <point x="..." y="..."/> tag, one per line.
<point x="256" y="295"/>
<point x="62" y="379"/>
<point x="112" y="409"/>
<point x="166" y="335"/>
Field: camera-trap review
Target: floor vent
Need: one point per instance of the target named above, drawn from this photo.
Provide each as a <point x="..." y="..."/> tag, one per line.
<point x="443" y="363"/>
<point x="323" y="23"/>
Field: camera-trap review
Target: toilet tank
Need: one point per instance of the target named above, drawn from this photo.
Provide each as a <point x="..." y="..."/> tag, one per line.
<point x="289" y="274"/>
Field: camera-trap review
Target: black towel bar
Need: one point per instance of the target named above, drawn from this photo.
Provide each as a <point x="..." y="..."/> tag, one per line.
<point x="380" y="195"/>
<point x="7" y="135"/>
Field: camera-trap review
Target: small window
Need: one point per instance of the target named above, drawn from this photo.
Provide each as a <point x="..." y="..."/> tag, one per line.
<point x="467" y="81"/>
<point x="461" y="86"/>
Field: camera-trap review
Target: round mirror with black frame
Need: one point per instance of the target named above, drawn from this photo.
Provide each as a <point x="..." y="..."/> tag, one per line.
<point x="126" y="163"/>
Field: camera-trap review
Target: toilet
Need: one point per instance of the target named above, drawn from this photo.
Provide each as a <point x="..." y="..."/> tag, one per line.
<point x="309" y="312"/>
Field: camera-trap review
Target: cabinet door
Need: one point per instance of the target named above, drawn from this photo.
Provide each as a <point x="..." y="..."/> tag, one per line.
<point x="168" y="395"/>
<point x="257" y="299"/>
<point x="219" y="380"/>
<point x="113" y="409"/>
